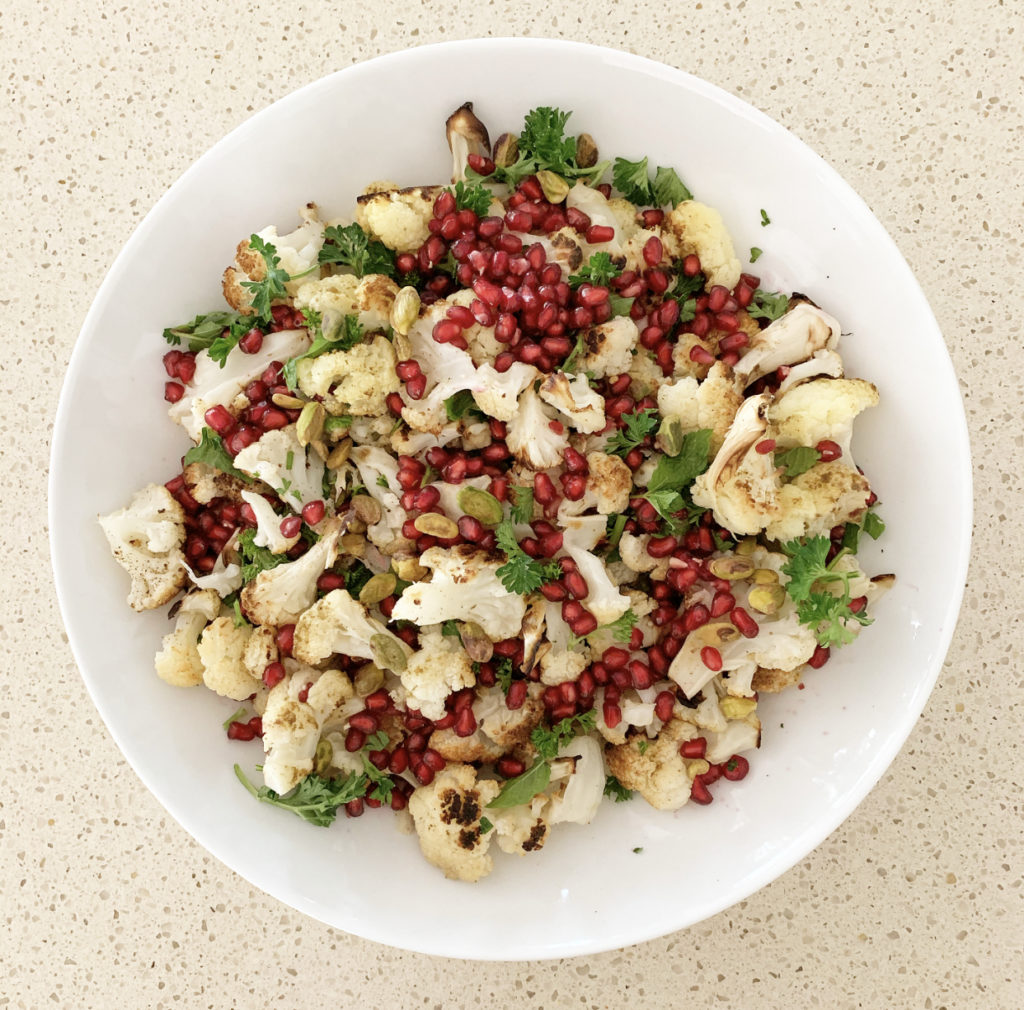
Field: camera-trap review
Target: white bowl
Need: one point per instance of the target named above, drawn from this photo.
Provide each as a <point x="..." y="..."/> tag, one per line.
<point x="588" y="890"/>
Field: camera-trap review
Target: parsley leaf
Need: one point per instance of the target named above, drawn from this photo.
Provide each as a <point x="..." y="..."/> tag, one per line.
<point x="450" y="629"/>
<point x="599" y="269"/>
<point x="622" y="627"/>
<point x="638" y="425"/>
<point x="684" y="292"/>
<point x="256" y="559"/>
<point x="616" y="790"/>
<point x="873" y="525"/>
<point x="632" y="181"/>
<point x="235" y="603"/>
<point x="344" y="337"/>
<point x="476" y="198"/>
<point x="205" y="329"/>
<point x="817" y="607"/>
<point x="458" y="405"/>
<point x="548" y="741"/>
<point x="669" y="188"/>
<point x="211" y="451"/>
<point x="620" y="306"/>
<point x="569" y="365"/>
<point x="521" y="574"/>
<point x="755" y="254"/>
<point x="765" y="219"/>
<point x="617" y="525"/>
<point x="674" y="473"/>
<point x="797" y="460"/>
<point x="350" y="246"/>
<point x="504" y="673"/>
<point x="383" y="784"/>
<point x="355" y="578"/>
<point x="485" y="825"/>
<point x="272" y="286"/>
<point x="768" y="305"/>
<point x="522" y="503"/>
<point x="315" y="799"/>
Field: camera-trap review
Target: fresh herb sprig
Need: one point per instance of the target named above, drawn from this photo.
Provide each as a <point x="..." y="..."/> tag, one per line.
<point x="599" y="269"/>
<point x="637" y="426"/>
<point x="614" y="789"/>
<point x="211" y="451"/>
<point x="769" y="305"/>
<point x="521" y="574"/>
<point x="797" y="460"/>
<point x="668" y="488"/>
<point x="472" y="196"/>
<point x="315" y="799"/>
<point x="633" y="180"/>
<point x="350" y="246"/>
<point x="272" y="285"/>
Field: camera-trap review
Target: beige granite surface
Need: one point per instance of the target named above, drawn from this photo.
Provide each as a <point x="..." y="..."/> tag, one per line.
<point x="915" y="902"/>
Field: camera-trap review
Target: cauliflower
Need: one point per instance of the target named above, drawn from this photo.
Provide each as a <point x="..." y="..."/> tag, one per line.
<point x="603" y="598"/>
<point x="497" y="393"/>
<point x="464" y="587"/>
<point x="439" y="667"/>
<point x="339" y="624"/>
<point x="291" y="728"/>
<point x="213" y="384"/>
<point x="741" y="485"/>
<point x="447" y="815"/>
<point x="576" y="400"/>
<point x="398" y="217"/>
<point x="220" y="651"/>
<point x="608" y="348"/>
<point x="281" y="461"/>
<point x="625" y="217"/>
<point x="693" y="227"/>
<point x="521" y="829"/>
<point x="372" y="464"/>
<point x="225" y="576"/>
<point x="178" y="661"/>
<point x="645" y="374"/>
<point x="712" y="403"/>
<point x="822" y="409"/>
<point x="353" y="382"/>
<point x="578" y="800"/>
<point x="558" y="665"/>
<point x="499" y="728"/>
<point x="610" y="482"/>
<point x="260" y="651"/>
<point x="659" y="773"/>
<point x="819" y="363"/>
<point x="596" y="206"/>
<point x="280" y="595"/>
<point x="146" y="538"/>
<point x="739" y="735"/>
<point x="633" y="551"/>
<point x="466" y="136"/>
<point x="530" y="437"/>
<point x="824" y="496"/>
<point x="298" y="254"/>
<point x="268" y="525"/>
<point x="368" y="298"/>
<point x="633" y="250"/>
<point x="206" y="482"/>
<point x="793" y="338"/>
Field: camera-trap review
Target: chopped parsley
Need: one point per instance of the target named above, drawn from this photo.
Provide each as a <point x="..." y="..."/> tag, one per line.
<point x="633" y="180"/>
<point x="797" y="460"/>
<point x="472" y="196"/>
<point x="811" y="578"/>
<point x="217" y="333"/>
<point x="755" y="254"/>
<point x="315" y="799"/>
<point x="768" y="304"/>
<point x="521" y="574"/>
<point x="350" y="246"/>
<point x="211" y="451"/>
<point x="599" y="269"/>
<point x="765" y="219"/>
<point x="668" y="188"/>
<point x="462" y="404"/>
<point x="871" y="524"/>
<point x="272" y="286"/>
<point x="684" y="292"/>
<point x="667" y="490"/>
<point x="503" y="673"/>
<point x="256" y="559"/>
<point x="638" y="425"/>
<point x="485" y="825"/>
<point x="355" y="578"/>
<point x="237" y="716"/>
<point x="616" y="790"/>
<point x="522" y="503"/>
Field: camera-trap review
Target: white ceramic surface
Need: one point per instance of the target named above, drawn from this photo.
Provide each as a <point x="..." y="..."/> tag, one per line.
<point x="587" y="890"/>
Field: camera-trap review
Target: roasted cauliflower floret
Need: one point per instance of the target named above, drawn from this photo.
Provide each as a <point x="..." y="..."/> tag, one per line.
<point x="279" y="460"/>
<point x="694" y="227"/>
<point x="576" y="400"/>
<point x="824" y="496"/>
<point x="711" y="403"/>
<point x="206" y="482"/>
<point x="798" y="336"/>
<point x="338" y="624"/>
<point x="608" y="348"/>
<point x="439" y="667"/>
<point x="146" y="538"/>
<point x="659" y="772"/>
<point x="221" y="651"/>
<point x="353" y="382"/>
<point x="610" y="481"/>
<point x="178" y="661"/>
<point x="398" y="217"/>
<point x="368" y="298"/>
<point x="447" y="815"/>
<point x="530" y="437"/>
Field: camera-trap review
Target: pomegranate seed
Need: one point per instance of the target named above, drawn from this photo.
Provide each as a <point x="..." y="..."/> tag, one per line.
<point x="765" y="446"/>
<point x="551" y="543"/>
<point x="576" y="585"/>
<point x="516" y="695"/>
<point x="653" y="251"/>
<point x="433" y="760"/>
<point x="612" y="714"/>
<point x="446" y="330"/>
<point x="819" y="658"/>
<point x="722" y="603"/>
<point x="510" y="767"/>
<point x="598" y="233"/>
<point x="615" y="658"/>
<point x="651" y="337"/>
<point x="273" y="674"/>
<point x="711" y="658"/>
<point x="465" y="724"/>
<point x="652" y="218"/>
<point x="408" y="369"/>
<point x="662" y="547"/>
<point x="574" y="486"/>
<point x="699" y="792"/>
<point x="717" y="297"/>
<point x="828" y="450"/>
<point x="394" y="402"/>
<point x="543" y="489"/>
<point x="577" y="219"/>
<point x="444" y="204"/>
<point x="591" y="296"/>
<point x="701" y="355"/>
<point x="735" y="768"/>
<point x="461" y="315"/>
<point x="219" y="419"/>
<point x="641" y="674"/>
<point x="284" y="639"/>
<point x="744" y="622"/>
<point x="365" y="722"/>
<point x="664" y="703"/>
<point x="554" y="591"/>
<point x="657" y="281"/>
<point x="291" y="527"/>
<point x="240" y="731"/>
<point x="634" y="459"/>
<point x="252" y="342"/>
<point x="572" y="611"/>
<point x="313" y="512"/>
<point x="173" y="391"/>
<point x="354" y="740"/>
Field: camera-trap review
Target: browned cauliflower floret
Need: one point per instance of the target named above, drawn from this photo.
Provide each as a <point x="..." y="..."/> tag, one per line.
<point x="178" y="661"/>
<point x="696" y="228"/>
<point x="659" y="772"/>
<point x="825" y="496"/>
<point x="610" y="481"/>
<point x="146" y="538"/>
<point x="206" y="482"/>
<point x="221" y="652"/>
<point x="447" y="815"/>
<point x="398" y="217"/>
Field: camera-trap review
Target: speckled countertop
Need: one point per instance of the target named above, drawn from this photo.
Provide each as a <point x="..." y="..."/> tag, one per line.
<point x="915" y="902"/>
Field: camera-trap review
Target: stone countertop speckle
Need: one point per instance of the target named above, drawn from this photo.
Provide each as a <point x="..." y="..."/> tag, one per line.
<point x="915" y="902"/>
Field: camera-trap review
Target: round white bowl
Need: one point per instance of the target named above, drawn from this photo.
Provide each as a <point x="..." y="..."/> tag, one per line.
<point x="588" y="890"/>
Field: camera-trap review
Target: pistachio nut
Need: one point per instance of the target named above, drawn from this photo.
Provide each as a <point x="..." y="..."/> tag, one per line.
<point x="409" y="569"/>
<point x="505" y="150"/>
<point x="339" y="454"/>
<point x="746" y="547"/>
<point x="697" y="767"/>
<point x="586" y="151"/>
<point x="766" y="599"/>
<point x="737" y="708"/>
<point x="731" y="568"/>
<point x="367" y="509"/>
<point x="378" y="588"/>
<point x="368" y="679"/>
<point x="288" y="402"/>
<point x="310" y="424"/>
<point x="405" y="310"/>
<point x="353" y="544"/>
<point x="388" y="653"/>
<point x="481" y="505"/>
<point x="323" y="756"/>
<point x="434" y="525"/>
<point x="555" y="188"/>
<point x="478" y="646"/>
<point x="765" y="577"/>
<point x="670" y="436"/>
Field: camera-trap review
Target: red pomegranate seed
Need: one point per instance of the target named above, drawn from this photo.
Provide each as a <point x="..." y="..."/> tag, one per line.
<point x="551" y="543"/>
<point x="735" y="768"/>
<point x="662" y="547"/>
<point x="446" y="330"/>
<point x="408" y="369"/>
<point x="711" y="658"/>
<point x="717" y="297"/>
<point x="701" y="355"/>
<point x="765" y="446"/>
<point x="284" y="639"/>
<point x="510" y="767"/>
<point x="641" y="674"/>
<point x="828" y="450"/>
<point x="554" y="591"/>
<point x="653" y="251"/>
<point x="432" y="759"/>
<point x="354" y="740"/>
<point x="291" y="527"/>
<point x="219" y="419"/>
<point x="576" y="585"/>
<point x="516" y="695"/>
<point x="634" y="459"/>
<point x="366" y="722"/>
<point x="664" y="703"/>
<point x="394" y="402"/>
<point x="480" y="164"/>
<point x="652" y="218"/>
<point x="694" y="749"/>
<point x="461" y="315"/>
<point x="574" y="485"/>
<point x="612" y="714"/>
<point x="240" y="731"/>
<point x="691" y="266"/>
<point x="444" y="204"/>
<point x="465" y="724"/>
<point x="651" y="337"/>
<point x="273" y="419"/>
<point x="819" y="658"/>
<point x="572" y="611"/>
<point x="173" y="391"/>
<point x="722" y="603"/>
<point x="615" y="658"/>
<point x="598" y="233"/>
<point x="273" y="674"/>
<point x="252" y="342"/>
<point x="470" y="529"/>
<point x="313" y="512"/>
<point x="577" y="219"/>
<point x="744" y="622"/>
<point x="699" y="792"/>
<point x="543" y="489"/>
<point x="657" y="281"/>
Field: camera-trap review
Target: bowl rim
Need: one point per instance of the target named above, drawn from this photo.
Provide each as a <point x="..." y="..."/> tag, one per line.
<point x="961" y="496"/>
